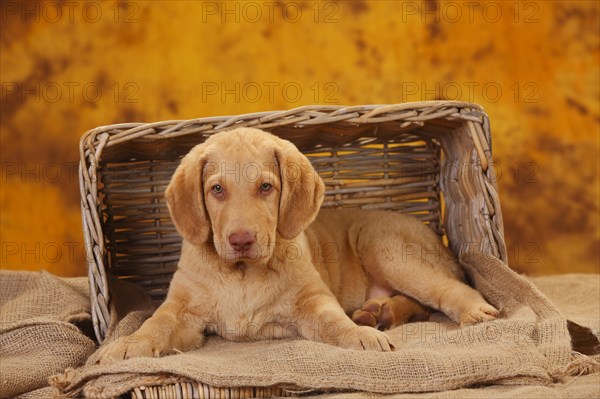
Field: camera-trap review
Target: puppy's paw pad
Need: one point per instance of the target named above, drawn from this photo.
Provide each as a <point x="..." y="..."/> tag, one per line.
<point x="372" y="306"/>
<point x="386" y="318"/>
<point x="363" y="318"/>
<point x="374" y="313"/>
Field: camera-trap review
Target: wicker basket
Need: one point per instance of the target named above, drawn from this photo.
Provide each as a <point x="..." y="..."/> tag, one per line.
<point x="431" y="159"/>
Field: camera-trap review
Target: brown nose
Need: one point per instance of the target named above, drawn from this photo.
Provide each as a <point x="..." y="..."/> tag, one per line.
<point x="241" y="240"/>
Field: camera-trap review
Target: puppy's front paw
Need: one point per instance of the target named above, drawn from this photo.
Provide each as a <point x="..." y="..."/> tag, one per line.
<point x="365" y="338"/>
<point x="128" y="347"/>
<point x="478" y="313"/>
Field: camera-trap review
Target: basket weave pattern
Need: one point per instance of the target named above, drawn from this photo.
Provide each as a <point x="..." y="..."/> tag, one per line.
<point x="428" y="159"/>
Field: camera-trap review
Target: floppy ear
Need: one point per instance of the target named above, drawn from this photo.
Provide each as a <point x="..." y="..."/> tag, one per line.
<point x="185" y="198"/>
<point x="302" y="190"/>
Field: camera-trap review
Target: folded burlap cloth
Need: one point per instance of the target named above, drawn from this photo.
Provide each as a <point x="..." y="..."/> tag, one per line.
<point x="46" y="327"/>
<point x="529" y="345"/>
<point x="39" y="335"/>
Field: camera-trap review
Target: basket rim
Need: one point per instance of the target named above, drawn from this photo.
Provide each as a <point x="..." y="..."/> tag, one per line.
<point x="314" y="114"/>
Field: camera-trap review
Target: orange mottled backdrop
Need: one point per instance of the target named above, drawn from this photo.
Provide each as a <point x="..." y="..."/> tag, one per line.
<point x="68" y="66"/>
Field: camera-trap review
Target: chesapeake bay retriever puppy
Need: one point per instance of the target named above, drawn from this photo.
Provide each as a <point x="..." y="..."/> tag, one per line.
<point x="261" y="260"/>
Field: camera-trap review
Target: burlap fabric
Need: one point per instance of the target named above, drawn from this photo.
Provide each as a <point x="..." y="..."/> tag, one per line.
<point x="529" y="345"/>
<point x="39" y="334"/>
<point x="575" y="295"/>
<point x="583" y="387"/>
<point x="46" y="327"/>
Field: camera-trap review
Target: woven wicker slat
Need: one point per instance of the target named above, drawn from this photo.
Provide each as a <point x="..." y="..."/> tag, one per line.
<point x="427" y="158"/>
<point x="200" y="391"/>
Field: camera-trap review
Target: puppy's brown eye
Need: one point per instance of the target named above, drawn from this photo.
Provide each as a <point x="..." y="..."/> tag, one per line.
<point x="217" y="189"/>
<point x="266" y="187"/>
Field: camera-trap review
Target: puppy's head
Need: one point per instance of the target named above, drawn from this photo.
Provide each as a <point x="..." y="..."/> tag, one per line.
<point x="241" y="188"/>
